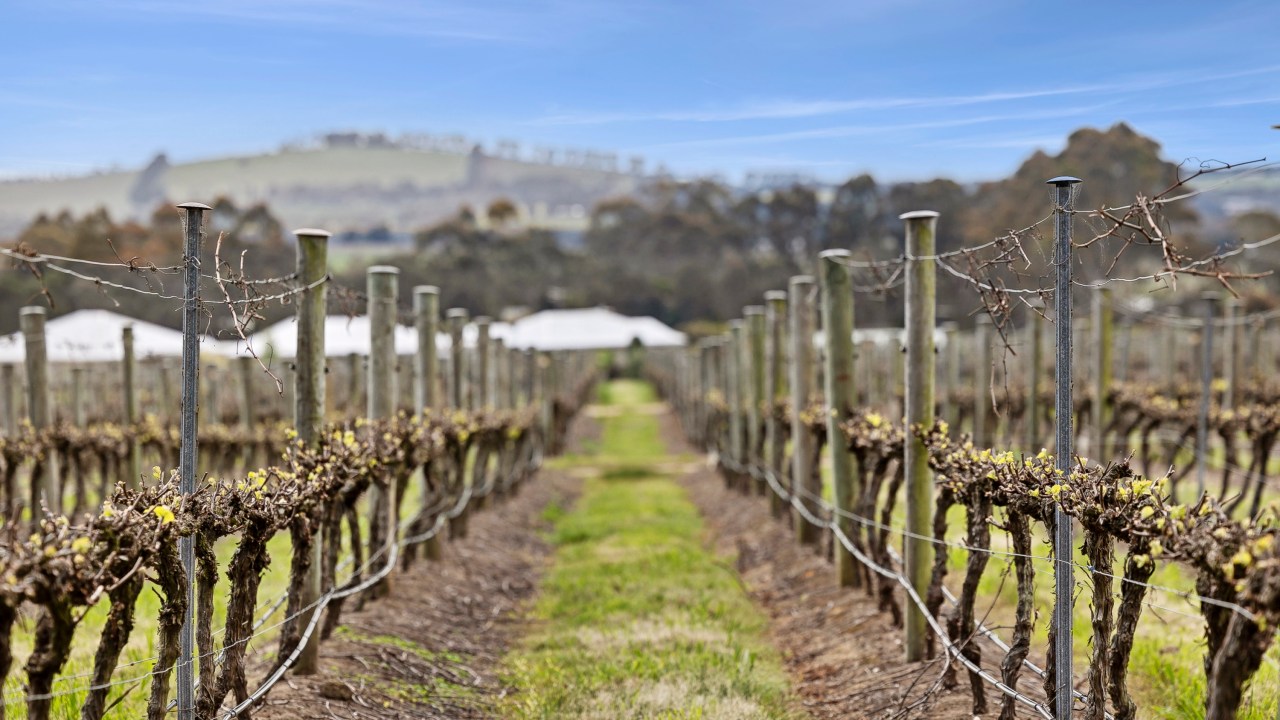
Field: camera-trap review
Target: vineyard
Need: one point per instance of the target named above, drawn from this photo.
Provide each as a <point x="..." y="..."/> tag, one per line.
<point x="966" y="476"/>
<point x="144" y="505"/>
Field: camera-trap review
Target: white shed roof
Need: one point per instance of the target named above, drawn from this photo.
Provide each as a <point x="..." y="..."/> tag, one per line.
<point x="95" y="336"/>
<point x="590" y="329"/>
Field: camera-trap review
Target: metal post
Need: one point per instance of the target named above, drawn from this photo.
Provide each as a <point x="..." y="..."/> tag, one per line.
<point x="1064" y="576"/>
<point x="426" y="313"/>
<point x="309" y="400"/>
<point x="1206" y="390"/>
<point x="840" y="397"/>
<point x="804" y="480"/>
<point x="921" y="298"/>
<point x="1102" y="365"/>
<point x="194" y="227"/>
<point x="31" y="319"/>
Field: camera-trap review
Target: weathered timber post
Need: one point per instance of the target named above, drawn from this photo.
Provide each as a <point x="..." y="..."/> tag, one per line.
<point x="457" y="319"/>
<point x="129" y="367"/>
<point x="754" y="396"/>
<point x="1035" y="364"/>
<point x="951" y="331"/>
<point x="426" y="314"/>
<point x="805" y="481"/>
<point x="383" y="289"/>
<point x="840" y="396"/>
<point x="44" y="489"/>
<point x="1102" y="365"/>
<point x="355" y="368"/>
<point x="921" y="281"/>
<point x="10" y="399"/>
<point x="982" y="381"/>
<point x="245" y="364"/>
<point x="484" y="365"/>
<point x="309" y="403"/>
<point x="1206" y="390"/>
<point x="775" y="389"/>
<point x="736" y="385"/>
<point x="1231" y="349"/>
<point x="77" y="396"/>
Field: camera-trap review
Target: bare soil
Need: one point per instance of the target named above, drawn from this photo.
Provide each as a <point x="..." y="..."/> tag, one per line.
<point x="433" y="648"/>
<point x="845" y="657"/>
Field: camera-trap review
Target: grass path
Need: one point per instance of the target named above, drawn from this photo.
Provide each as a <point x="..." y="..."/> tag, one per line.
<point x="637" y="618"/>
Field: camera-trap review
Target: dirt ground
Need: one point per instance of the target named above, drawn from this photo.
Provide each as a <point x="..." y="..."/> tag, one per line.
<point x="432" y="648"/>
<point x="845" y="657"/>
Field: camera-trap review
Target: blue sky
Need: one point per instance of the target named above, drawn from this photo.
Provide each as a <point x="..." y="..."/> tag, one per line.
<point x="902" y="89"/>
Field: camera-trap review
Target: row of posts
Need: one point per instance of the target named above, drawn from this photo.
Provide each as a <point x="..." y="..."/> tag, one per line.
<point x="496" y="381"/>
<point x="746" y="368"/>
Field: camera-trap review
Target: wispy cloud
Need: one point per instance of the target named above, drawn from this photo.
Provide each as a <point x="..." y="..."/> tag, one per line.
<point x="456" y="20"/>
<point x="782" y="109"/>
<point x="842" y="131"/>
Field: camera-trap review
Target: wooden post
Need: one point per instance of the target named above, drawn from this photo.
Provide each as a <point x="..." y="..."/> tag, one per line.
<point x="77" y="396"/>
<point x="804" y="477"/>
<point x="484" y="364"/>
<point x="1035" y="364"/>
<point x="45" y="489"/>
<point x="981" y="381"/>
<point x="355" y="368"/>
<point x="10" y="400"/>
<point x="383" y="289"/>
<point x="309" y="402"/>
<point x="755" y="330"/>
<point x="129" y="366"/>
<point x="1231" y="350"/>
<point x="951" y="332"/>
<point x="1102" y="339"/>
<point x="837" y="324"/>
<point x="775" y="388"/>
<point x="245" y="364"/>
<point x="921" y="283"/>
<point x="457" y="318"/>
<point x="426" y="313"/>
<point x="735" y="385"/>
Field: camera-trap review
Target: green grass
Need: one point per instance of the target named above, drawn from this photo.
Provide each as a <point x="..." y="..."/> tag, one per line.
<point x="637" y="619"/>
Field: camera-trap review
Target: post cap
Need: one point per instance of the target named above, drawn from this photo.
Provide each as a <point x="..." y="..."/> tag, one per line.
<point x="33" y="310"/>
<point x="456" y="312"/>
<point x="384" y="270"/>
<point x="194" y="206"/>
<point x="801" y="280"/>
<point x="834" y="253"/>
<point x="426" y="290"/>
<point x="483" y="320"/>
<point x="918" y="215"/>
<point x="776" y="295"/>
<point x="1063" y="181"/>
<point x="312" y="232"/>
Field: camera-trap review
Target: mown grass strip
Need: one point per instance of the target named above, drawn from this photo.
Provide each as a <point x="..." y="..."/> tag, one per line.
<point x="637" y="619"/>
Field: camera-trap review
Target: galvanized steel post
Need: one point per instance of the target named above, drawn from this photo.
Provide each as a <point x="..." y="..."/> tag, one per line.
<point x="194" y="227"/>
<point x="1064" y="575"/>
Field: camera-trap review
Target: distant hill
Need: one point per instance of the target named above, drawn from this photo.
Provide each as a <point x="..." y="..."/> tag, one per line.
<point x="339" y="186"/>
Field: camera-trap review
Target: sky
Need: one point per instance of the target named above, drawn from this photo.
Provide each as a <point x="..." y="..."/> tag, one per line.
<point x="903" y="89"/>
